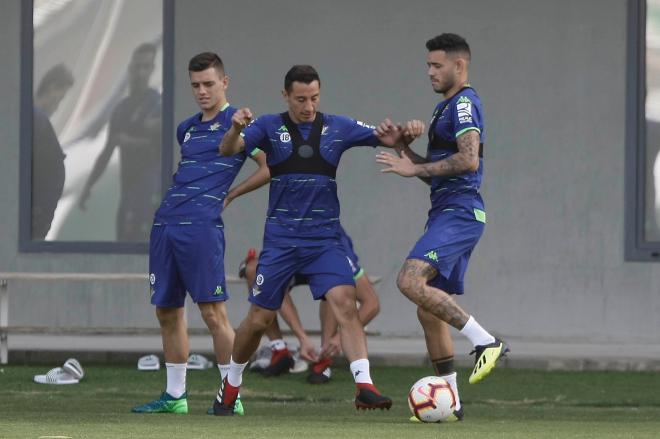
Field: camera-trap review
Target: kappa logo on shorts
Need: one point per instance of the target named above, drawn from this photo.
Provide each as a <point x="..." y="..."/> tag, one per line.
<point x="218" y="291"/>
<point x="432" y="255"/>
<point x="260" y="279"/>
<point x="152" y="279"/>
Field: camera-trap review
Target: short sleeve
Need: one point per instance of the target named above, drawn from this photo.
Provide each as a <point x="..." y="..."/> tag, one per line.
<point x="466" y="115"/>
<point x="356" y="133"/>
<point x="255" y="137"/>
<point x="181" y="132"/>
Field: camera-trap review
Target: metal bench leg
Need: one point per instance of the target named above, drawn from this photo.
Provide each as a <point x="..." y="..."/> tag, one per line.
<point x="4" y="321"/>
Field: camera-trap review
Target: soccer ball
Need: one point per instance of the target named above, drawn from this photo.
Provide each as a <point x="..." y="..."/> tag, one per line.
<point x="431" y="399"/>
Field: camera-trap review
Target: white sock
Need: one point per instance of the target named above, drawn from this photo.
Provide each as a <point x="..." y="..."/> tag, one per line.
<point x="451" y="379"/>
<point x="277" y="345"/>
<point x="176" y="379"/>
<point x="477" y="335"/>
<point x="235" y="374"/>
<point x="224" y="369"/>
<point x="360" y="371"/>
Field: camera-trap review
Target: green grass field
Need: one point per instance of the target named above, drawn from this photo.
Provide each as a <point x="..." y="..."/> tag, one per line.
<point x="510" y="404"/>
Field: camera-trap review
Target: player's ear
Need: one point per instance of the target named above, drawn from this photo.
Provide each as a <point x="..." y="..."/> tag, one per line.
<point x="461" y="64"/>
<point x="285" y="95"/>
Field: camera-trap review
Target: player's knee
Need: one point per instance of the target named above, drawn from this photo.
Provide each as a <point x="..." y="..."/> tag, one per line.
<point x="168" y="317"/>
<point x="213" y="320"/>
<point x="345" y="311"/>
<point x="261" y="320"/>
<point x="406" y="284"/>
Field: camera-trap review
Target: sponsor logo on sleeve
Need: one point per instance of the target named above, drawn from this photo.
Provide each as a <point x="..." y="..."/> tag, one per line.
<point x="464" y="109"/>
<point x="366" y="125"/>
<point x="186" y="137"/>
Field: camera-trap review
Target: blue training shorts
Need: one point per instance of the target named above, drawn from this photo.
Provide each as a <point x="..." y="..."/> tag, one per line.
<point x="186" y="258"/>
<point x="325" y="266"/>
<point x="351" y="257"/>
<point x="447" y="245"/>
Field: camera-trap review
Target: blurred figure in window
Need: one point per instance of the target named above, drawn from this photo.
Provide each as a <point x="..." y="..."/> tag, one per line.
<point x="47" y="156"/>
<point x="135" y="127"/>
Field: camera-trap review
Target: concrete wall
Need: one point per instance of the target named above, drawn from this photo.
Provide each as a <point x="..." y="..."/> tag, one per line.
<point x="552" y="80"/>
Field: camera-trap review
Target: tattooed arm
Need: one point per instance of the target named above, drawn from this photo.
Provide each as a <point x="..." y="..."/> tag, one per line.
<point x="465" y="160"/>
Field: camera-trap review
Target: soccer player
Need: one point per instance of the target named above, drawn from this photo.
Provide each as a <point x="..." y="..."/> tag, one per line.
<point x="281" y="359"/>
<point x="187" y="240"/>
<point x="453" y="167"/>
<point x="303" y="148"/>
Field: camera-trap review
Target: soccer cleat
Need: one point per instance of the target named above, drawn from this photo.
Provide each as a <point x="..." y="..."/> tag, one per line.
<point x="486" y="358"/>
<point x="251" y="254"/>
<point x="164" y="404"/>
<point x="238" y="408"/>
<point x="280" y="362"/>
<point x="454" y="417"/>
<point x="225" y="401"/>
<point x="368" y="398"/>
<point x="321" y="372"/>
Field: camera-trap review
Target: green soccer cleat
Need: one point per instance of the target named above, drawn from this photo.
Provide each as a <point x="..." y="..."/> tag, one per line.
<point x="486" y="358"/>
<point x="164" y="404"/>
<point x="238" y="408"/>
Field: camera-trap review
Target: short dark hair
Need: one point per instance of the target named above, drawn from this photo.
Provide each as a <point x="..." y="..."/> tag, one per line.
<point x="450" y="43"/>
<point x="300" y="73"/>
<point x="206" y="60"/>
<point x="58" y="76"/>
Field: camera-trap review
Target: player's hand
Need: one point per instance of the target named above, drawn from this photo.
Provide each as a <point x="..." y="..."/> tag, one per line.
<point x="412" y="130"/>
<point x="331" y="347"/>
<point x="241" y="118"/>
<point x="399" y="165"/>
<point x="308" y="351"/>
<point x="389" y="134"/>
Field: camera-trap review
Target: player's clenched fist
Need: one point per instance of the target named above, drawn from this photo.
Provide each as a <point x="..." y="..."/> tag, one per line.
<point x="412" y="130"/>
<point x="241" y="118"/>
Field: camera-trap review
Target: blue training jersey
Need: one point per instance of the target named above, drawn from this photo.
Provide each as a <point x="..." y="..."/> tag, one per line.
<point x="303" y="209"/>
<point x="455" y="116"/>
<point x="203" y="176"/>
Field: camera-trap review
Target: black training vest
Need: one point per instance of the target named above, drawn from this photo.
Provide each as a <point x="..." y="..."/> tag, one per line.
<point x="436" y="142"/>
<point x="306" y="155"/>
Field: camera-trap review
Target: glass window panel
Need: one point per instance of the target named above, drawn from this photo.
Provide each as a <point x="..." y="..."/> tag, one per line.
<point x="97" y="115"/>
<point x="652" y="172"/>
